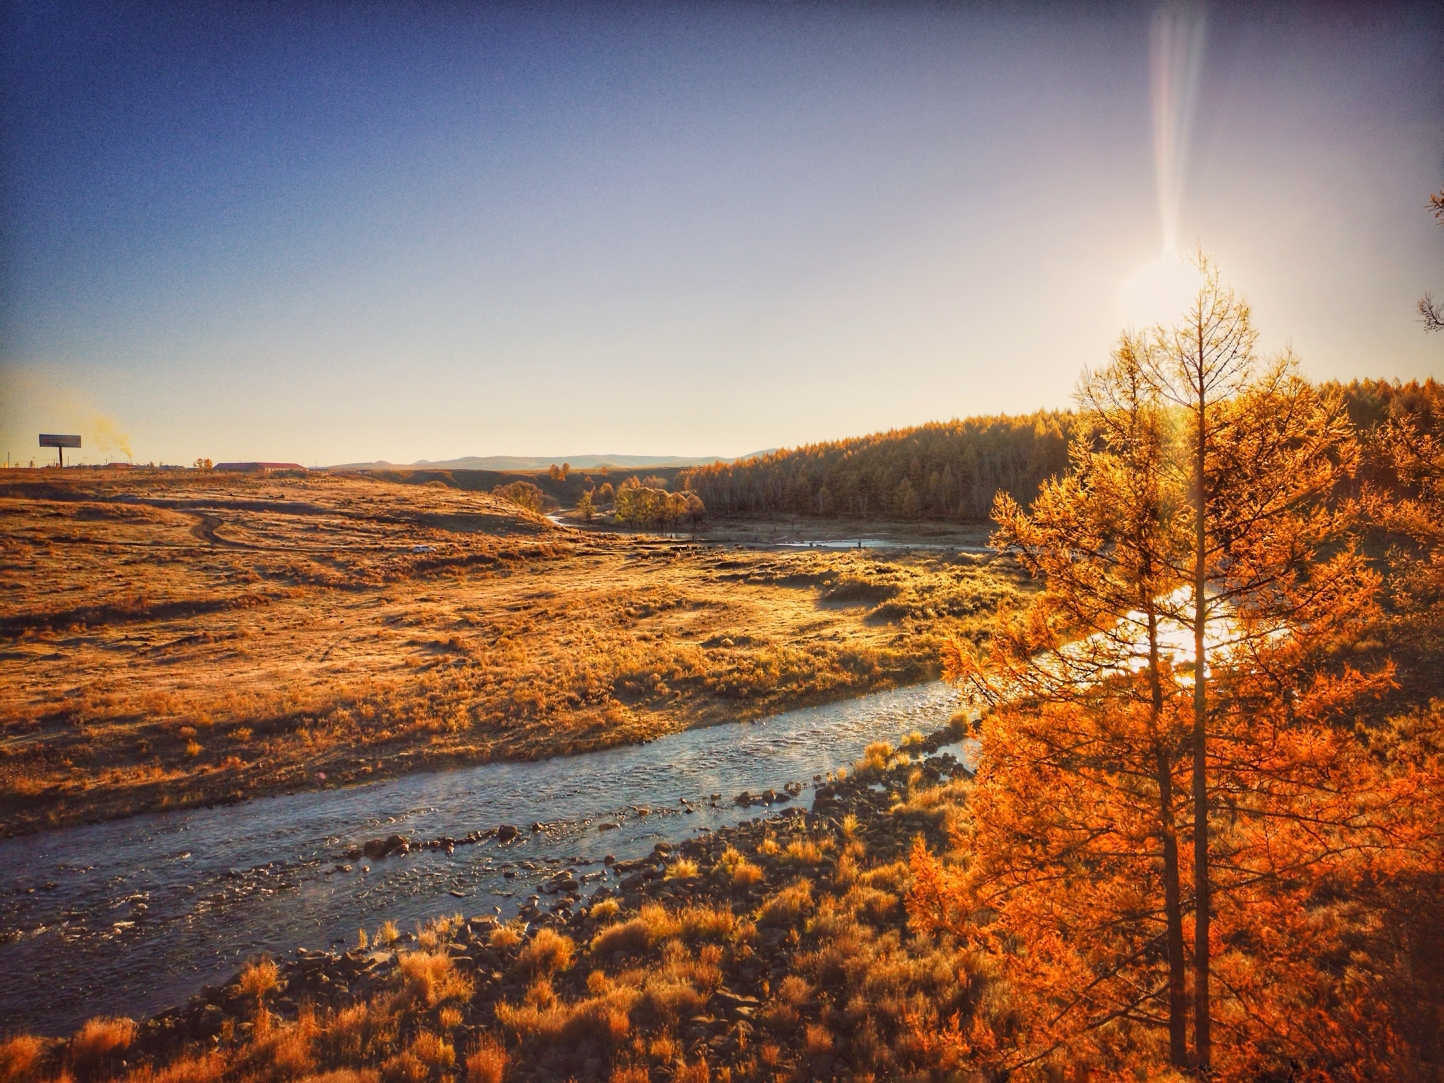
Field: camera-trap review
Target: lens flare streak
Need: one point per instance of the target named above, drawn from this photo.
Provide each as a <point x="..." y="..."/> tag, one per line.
<point x="1176" y="56"/>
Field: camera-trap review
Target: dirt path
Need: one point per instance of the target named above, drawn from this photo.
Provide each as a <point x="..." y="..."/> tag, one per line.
<point x="205" y="531"/>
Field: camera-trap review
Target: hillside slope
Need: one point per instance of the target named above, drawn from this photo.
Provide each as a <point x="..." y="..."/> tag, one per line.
<point x="947" y="470"/>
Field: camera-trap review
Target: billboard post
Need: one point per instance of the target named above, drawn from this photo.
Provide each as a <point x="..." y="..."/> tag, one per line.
<point x="59" y="443"/>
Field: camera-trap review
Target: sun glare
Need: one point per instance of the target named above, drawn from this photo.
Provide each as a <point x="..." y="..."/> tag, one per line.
<point x="1159" y="291"/>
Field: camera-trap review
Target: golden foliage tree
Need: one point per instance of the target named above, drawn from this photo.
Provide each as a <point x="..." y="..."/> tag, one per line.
<point x="1202" y="505"/>
<point x="1079" y="788"/>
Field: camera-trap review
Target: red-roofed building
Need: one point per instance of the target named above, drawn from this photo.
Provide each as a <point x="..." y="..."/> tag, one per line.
<point x="257" y="468"/>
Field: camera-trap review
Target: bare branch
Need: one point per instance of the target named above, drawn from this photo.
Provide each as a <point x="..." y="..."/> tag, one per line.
<point x="1429" y="309"/>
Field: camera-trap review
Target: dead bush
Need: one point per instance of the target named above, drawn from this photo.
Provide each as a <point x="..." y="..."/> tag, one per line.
<point x="487" y="1063"/>
<point x="627" y="937"/>
<point x="789" y="906"/>
<point x="280" y="1053"/>
<point x="21" y="1059"/>
<point x="433" y="1050"/>
<point x="432" y="978"/>
<point x="205" y="1068"/>
<point x="504" y="936"/>
<point x="358" y="1034"/>
<point x="259" y="978"/>
<point x="547" y="953"/>
<point x="97" y="1043"/>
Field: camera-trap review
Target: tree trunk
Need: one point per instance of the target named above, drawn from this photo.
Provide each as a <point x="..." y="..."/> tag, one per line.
<point x="1172" y="896"/>
<point x="1202" y="1038"/>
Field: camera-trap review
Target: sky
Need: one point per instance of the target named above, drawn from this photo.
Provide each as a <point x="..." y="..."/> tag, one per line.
<point x="331" y="232"/>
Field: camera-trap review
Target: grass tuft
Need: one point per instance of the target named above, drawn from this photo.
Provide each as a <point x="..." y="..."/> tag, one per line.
<point x="97" y="1043"/>
<point x="431" y="978"/>
<point x="488" y="1062"/>
<point x="545" y="954"/>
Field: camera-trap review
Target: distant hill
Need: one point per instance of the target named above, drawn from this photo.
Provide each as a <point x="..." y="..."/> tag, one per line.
<point x="527" y="463"/>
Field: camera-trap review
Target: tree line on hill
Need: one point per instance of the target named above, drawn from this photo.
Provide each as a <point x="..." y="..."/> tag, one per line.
<point x="942" y="470"/>
<point x="952" y="470"/>
<point x="947" y="471"/>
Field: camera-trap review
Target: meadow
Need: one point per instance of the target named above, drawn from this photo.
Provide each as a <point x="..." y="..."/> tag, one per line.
<point x="1038" y="920"/>
<point x="182" y="637"/>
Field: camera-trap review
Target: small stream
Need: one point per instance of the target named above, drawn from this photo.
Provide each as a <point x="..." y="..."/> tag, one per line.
<point x="135" y="916"/>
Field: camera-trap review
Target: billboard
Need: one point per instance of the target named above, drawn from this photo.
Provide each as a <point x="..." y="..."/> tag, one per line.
<point x="50" y="439"/>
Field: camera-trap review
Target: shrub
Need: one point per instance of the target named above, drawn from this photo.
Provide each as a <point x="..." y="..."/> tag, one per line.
<point x="730" y="859"/>
<point x="788" y="906"/>
<point x="628" y="937"/>
<point x="603" y="1016"/>
<point x="431" y="978"/>
<point x="681" y="869"/>
<point x="746" y="874"/>
<point x="525" y="495"/>
<point x="404" y="1067"/>
<point x="802" y="852"/>
<point x="259" y="978"/>
<point x="21" y="1058"/>
<point x="205" y="1068"/>
<point x="874" y="759"/>
<point x="794" y="990"/>
<point x="487" y="1064"/>
<point x="358" y="1034"/>
<point x="717" y="924"/>
<point x="433" y="1050"/>
<point x="818" y="1040"/>
<point x="547" y="953"/>
<point x="504" y="936"/>
<point x="97" y="1041"/>
<point x="279" y="1053"/>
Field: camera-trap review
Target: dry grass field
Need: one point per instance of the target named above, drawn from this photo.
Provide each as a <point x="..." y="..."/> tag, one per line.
<point x="179" y="637"/>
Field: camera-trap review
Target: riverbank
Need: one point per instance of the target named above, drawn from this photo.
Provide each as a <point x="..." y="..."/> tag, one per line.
<point x="800" y="532"/>
<point x="135" y="915"/>
<point x="176" y="639"/>
<point x="777" y="947"/>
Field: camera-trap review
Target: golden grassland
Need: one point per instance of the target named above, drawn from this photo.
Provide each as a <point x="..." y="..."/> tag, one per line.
<point x="179" y="637"/>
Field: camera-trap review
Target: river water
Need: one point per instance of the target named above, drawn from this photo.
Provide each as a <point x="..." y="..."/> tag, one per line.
<point x="135" y="916"/>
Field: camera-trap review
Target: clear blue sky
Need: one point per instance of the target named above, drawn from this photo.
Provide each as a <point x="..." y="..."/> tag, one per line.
<point x="335" y="231"/>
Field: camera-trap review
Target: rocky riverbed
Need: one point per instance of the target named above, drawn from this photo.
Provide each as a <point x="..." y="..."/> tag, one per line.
<point x="727" y="1016"/>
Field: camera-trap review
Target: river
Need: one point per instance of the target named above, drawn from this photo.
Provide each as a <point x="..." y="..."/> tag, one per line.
<point x="135" y="916"/>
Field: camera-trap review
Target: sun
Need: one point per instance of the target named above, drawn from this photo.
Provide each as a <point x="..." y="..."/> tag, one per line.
<point x="1159" y="291"/>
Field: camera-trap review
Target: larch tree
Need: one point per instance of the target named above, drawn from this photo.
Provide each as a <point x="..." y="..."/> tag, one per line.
<point x="1288" y="798"/>
<point x="1411" y="511"/>
<point x="1199" y="363"/>
<point x="1205" y="501"/>
<point x="1074" y="831"/>
<point x="1264" y="452"/>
